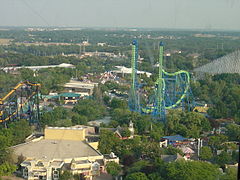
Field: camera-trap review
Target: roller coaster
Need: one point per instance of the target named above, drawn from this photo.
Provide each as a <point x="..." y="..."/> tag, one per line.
<point x="22" y="102"/>
<point x="172" y="90"/>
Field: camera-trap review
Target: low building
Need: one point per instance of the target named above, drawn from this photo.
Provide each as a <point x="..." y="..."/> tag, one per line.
<point x="79" y="87"/>
<point x="70" y="98"/>
<point x="61" y="149"/>
<point x="37" y="68"/>
<point x="121" y="71"/>
<point x="187" y="151"/>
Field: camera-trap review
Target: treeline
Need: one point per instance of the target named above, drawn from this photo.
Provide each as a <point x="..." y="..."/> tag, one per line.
<point x="222" y="93"/>
<point x="13" y="135"/>
<point x="84" y="111"/>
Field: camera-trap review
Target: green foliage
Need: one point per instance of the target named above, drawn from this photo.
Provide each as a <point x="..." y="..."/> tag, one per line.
<point x="216" y="141"/>
<point x="90" y="109"/>
<point x="136" y="176"/>
<point x="79" y="119"/>
<point x="108" y="142"/>
<point x="7" y="81"/>
<point x="156" y="131"/>
<point x="122" y="116"/>
<point x="113" y="168"/>
<point x="4" y="151"/>
<point x="235" y="157"/>
<point x="172" y="151"/>
<point x="15" y="134"/>
<point x="231" y="174"/>
<point x="125" y="132"/>
<point x="97" y="95"/>
<point x="223" y="158"/>
<point x="154" y="176"/>
<point x="66" y="175"/>
<point x="57" y="117"/>
<point x="190" y="124"/>
<point x="118" y="103"/>
<point x="233" y="132"/>
<point x="222" y="92"/>
<point x="206" y="153"/>
<point x="142" y="123"/>
<point x="20" y="130"/>
<point x="6" y="169"/>
<point x="188" y="170"/>
<point x="27" y="74"/>
<point x="137" y="166"/>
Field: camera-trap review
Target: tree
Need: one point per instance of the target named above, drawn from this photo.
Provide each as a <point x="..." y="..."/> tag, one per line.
<point x="79" y="119"/>
<point x="20" y="130"/>
<point x="66" y="175"/>
<point x="233" y="132"/>
<point x="108" y="142"/>
<point x="136" y="176"/>
<point x="89" y="108"/>
<point x="113" y="168"/>
<point x="155" y="176"/>
<point x="118" y="103"/>
<point x="231" y="174"/>
<point x="206" y="153"/>
<point x="4" y="143"/>
<point x="189" y="124"/>
<point x="58" y="117"/>
<point x="223" y="158"/>
<point x="97" y="95"/>
<point x="216" y="141"/>
<point x="7" y="169"/>
<point x="173" y="151"/>
<point x="137" y="166"/>
<point x="188" y="170"/>
<point x="125" y="132"/>
<point x="122" y="116"/>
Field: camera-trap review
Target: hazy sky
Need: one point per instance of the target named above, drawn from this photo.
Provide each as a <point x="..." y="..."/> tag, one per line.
<point x="200" y="14"/>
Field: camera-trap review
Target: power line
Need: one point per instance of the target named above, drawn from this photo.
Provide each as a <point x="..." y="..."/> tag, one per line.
<point x="36" y="13"/>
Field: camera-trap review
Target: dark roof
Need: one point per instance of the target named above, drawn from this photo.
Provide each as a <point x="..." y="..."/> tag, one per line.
<point x="174" y="138"/>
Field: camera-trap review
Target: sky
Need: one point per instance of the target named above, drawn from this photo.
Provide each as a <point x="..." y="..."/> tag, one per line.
<point x="176" y="14"/>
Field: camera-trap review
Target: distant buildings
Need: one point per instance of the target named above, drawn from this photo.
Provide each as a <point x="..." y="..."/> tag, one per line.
<point x="62" y="149"/>
<point x="101" y="44"/>
<point x="184" y="144"/>
<point x="36" y="68"/>
<point x="102" y="55"/>
<point x="122" y="70"/>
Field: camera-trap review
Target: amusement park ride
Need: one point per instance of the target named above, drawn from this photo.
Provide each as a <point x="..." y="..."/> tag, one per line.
<point x="22" y="102"/>
<point x="172" y="90"/>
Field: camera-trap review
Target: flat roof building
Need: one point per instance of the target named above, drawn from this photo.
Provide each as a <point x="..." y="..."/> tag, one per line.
<point x="61" y="149"/>
<point x="36" y="68"/>
<point x="79" y="87"/>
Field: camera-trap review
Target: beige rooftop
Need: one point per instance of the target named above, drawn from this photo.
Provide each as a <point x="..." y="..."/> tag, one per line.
<point x="48" y="149"/>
